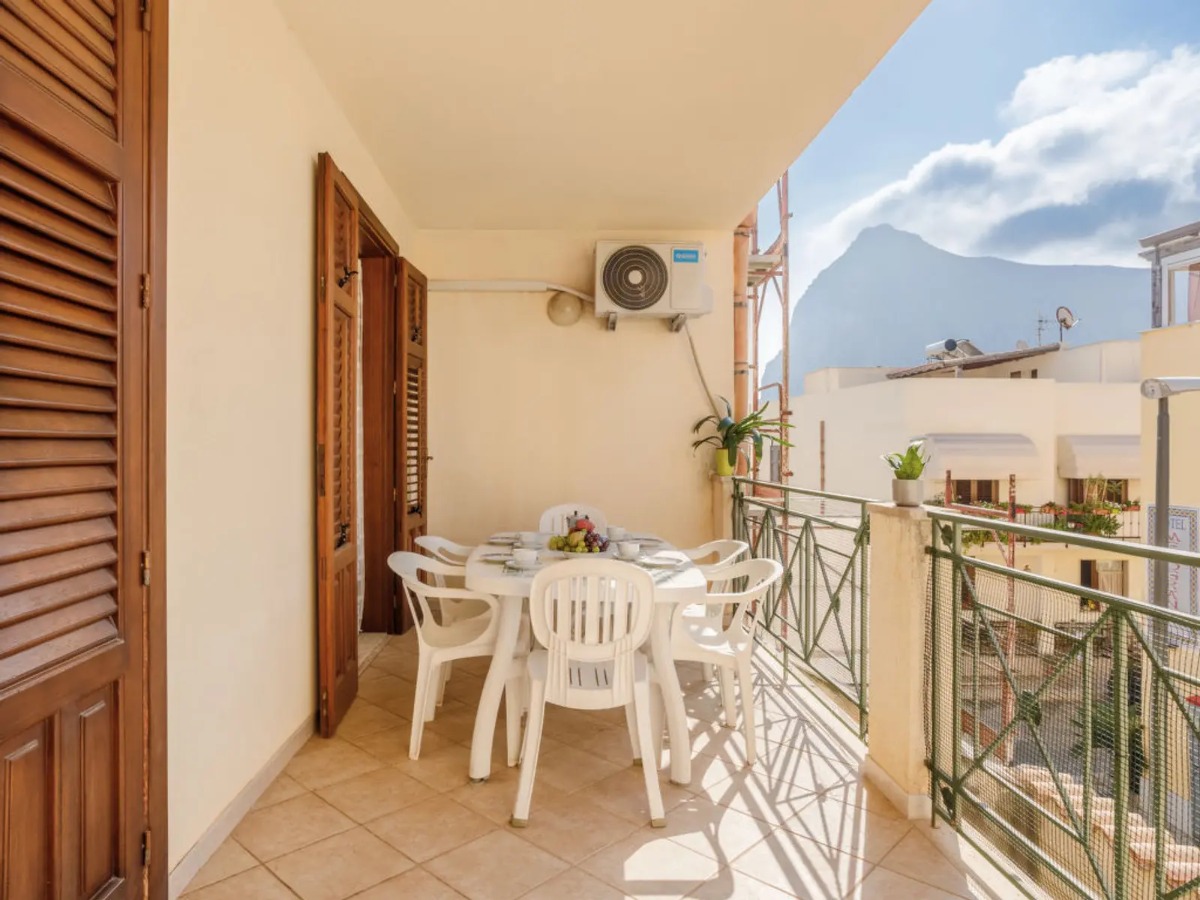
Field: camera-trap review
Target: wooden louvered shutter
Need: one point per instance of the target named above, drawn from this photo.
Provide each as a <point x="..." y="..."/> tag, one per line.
<point x="412" y="408"/>
<point x="74" y="345"/>
<point x="337" y="540"/>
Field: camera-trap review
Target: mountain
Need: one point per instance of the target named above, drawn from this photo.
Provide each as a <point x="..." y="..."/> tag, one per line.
<point x="890" y="294"/>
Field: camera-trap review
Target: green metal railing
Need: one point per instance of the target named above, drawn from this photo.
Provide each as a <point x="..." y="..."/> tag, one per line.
<point x="815" y="621"/>
<point x="1063" y="722"/>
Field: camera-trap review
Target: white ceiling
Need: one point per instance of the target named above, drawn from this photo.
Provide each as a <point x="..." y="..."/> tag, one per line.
<point x="602" y="114"/>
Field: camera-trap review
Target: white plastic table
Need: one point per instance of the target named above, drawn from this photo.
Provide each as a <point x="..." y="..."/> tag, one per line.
<point x="683" y="584"/>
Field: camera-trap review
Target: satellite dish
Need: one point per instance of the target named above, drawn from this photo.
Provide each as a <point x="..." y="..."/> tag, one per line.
<point x="1066" y="318"/>
<point x="1022" y="345"/>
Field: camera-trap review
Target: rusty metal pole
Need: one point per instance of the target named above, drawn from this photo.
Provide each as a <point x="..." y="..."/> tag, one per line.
<point x="785" y="393"/>
<point x="742" y="320"/>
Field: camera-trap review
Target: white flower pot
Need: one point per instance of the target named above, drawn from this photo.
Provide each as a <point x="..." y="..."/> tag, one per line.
<point x="908" y="491"/>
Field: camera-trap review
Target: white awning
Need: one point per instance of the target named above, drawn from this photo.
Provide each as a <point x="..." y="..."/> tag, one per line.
<point x="1095" y="455"/>
<point x="980" y="456"/>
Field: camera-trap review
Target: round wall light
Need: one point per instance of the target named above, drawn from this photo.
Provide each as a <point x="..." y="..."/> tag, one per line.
<point x="564" y="308"/>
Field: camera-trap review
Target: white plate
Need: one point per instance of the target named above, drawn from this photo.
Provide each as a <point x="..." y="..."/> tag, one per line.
<point x="520" y="566"/>
<point x="651" y="562"/>
<point x="501" y="541"/>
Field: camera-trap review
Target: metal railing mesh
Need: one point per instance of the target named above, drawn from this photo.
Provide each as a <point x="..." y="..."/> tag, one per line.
<point x="815" y="621"/>
<point x="1063" y="721"/>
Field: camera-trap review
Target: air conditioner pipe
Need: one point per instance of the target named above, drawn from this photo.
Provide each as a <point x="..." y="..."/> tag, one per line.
<point x="508" y="286"/>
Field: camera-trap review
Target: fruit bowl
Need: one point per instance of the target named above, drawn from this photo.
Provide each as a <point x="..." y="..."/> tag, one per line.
<point x="583" y="538"/>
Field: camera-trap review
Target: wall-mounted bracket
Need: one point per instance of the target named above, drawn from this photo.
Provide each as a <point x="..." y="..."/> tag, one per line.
<point x="612" y="321"/>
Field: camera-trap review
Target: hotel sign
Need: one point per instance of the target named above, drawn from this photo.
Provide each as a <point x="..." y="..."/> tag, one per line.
<point x="1183" y="582"/>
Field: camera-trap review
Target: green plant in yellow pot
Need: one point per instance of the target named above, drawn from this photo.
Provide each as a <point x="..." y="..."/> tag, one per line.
<point x="732" y="436"/>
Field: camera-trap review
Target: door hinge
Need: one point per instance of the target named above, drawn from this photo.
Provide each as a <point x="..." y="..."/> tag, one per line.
<point x="395" y="495"/>
<point x="395" y="389"/>
<point x="145" y="15"/>
<point x="321" y="286"/>
<point x="145" y="290"/>
<point x="395" y="280"/>
<point x="145" y="848"/>
<point x="320" y="470"/>
<point x="324" y="705"/>
<point x="146" y="568"/>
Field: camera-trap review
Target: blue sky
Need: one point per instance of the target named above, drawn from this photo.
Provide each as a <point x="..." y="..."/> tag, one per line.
<point x="1055" y="131"/>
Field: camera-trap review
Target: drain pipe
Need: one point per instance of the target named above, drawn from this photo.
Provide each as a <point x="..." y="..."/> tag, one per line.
<point x="742" y="316"/>
<point x="507" y="286"/>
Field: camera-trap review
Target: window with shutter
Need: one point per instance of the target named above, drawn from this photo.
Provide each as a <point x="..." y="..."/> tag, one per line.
<point x="74" y="432"/>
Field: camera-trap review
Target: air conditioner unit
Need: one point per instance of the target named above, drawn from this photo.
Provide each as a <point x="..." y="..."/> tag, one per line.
<point x="662" y="280"/>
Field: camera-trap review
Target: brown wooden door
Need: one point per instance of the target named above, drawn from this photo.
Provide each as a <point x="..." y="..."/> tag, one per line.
<point x="337" y="540"/>
<point x="411" y="416"/>
<point x="413" y="458"/>
<point x="74" y="436"/>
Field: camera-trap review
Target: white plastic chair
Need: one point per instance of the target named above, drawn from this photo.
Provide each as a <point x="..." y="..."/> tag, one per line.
<point x="449" y="611"/>
<point x="729" y="648"/>
<point x="716" y="555"/>
<point x="445" y="550"/>
<point x="439" y="644"/>
<point x="591" y="616"/>
<point x="712" y="558"/>
<point x="554" y="520"/>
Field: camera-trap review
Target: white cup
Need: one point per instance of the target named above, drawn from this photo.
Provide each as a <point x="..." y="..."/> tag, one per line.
<point x="629" y="549"/>
<point x="530" y="539"/>
<point x="525" y="556"/>
<point x="616" y="534"/>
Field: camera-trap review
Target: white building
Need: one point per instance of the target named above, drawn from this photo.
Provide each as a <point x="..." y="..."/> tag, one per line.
<point x="1052" y="416"/>
<point x="1057" y="418"/>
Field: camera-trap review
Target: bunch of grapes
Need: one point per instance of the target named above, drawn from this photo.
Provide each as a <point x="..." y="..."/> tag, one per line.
<point x="595" y="542"/>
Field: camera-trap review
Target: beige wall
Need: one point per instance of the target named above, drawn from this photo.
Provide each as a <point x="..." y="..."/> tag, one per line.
<point x="248" y="117"/>
<point x="865" y="421"/>
<point x="525" y="414"/>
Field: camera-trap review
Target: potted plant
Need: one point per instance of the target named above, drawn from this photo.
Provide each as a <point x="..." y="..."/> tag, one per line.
<point x="907" y="487"/>
<point x="731" y="435"/>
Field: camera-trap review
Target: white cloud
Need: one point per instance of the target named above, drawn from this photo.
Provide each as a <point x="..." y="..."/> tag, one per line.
<point x="1102" y="150"/>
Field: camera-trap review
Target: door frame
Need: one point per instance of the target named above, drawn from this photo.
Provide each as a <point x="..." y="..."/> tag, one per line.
<point x="156" y="873"/>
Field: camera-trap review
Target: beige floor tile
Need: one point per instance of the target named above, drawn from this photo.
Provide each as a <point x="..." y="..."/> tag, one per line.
<point x="285" y="787"/>
<point x="340" y="866"/>
<point x="287" y="826"/>
<point x="390" y="693"/>
<point x="365" y="718"/>
<point x="443" y="770"/>
<point x="802" y="867"/>
<point x="757" y="794"/>
<point x="399" y="661"/>
<point x="574" y="884"/>
<point x="730" y="884"/>
<point x="564" y="724"/>
<point x="229" y="859"/>
<point x="464" y="687"/>
<point x="328" y="761"/>
<point x="415" y="884"/>
<point x="646" y="864"/>
<point x="611" y="744"/>
<point x="715" y="831"/>
<point x="848" y="828"/>
<point x="571" y="828"/>
<point x="497" y="866"/>
<point x="391" y="745"/>
<point x="375" y="794"/>
<point x="916" y="857"/>
<point x="458" y="724"/>
<point x="568" y="769"/>
<point x="494" y="798"/>
<point x="431" y="827"/>
<point x="866" y="795"/>
<point x="624" y="795"/>
<point x="253" y="884"/>
<point x="883" y="884"/>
